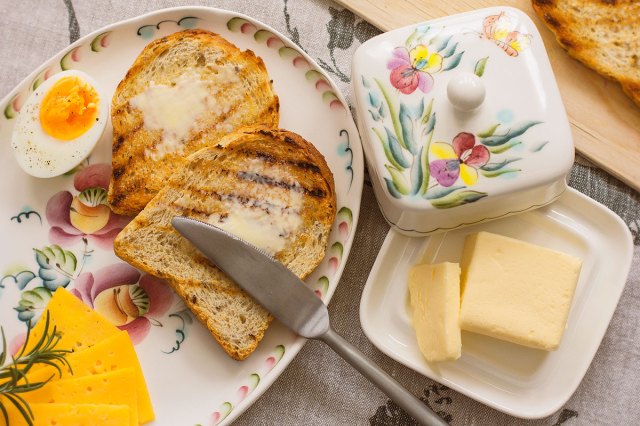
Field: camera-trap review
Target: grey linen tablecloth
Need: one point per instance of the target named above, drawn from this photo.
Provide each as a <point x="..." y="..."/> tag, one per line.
<point x="318" y="388"/>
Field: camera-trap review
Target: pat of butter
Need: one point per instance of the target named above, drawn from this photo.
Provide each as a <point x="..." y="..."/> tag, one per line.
<point x="516" y="291"/>
<point x="435" y="298"/>
<point x="176" y="109"/>
<point x="266" y="219"/>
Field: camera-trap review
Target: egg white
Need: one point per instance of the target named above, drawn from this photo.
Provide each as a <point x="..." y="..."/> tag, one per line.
<point x="42" y="155"/>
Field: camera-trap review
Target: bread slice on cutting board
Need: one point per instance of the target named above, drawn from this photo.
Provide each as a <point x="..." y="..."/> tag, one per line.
<point x="270" y="187"/>
<point x="182" y="93"/>
<point x="602" y="34"/>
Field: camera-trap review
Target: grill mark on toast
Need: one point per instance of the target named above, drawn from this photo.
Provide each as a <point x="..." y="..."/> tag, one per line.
<point x="117" y="173"/>
<point x="118" y="144"/>
<point x="117" y="199"/>
<point x="130" y="134"/>
<point x="266" y="180"/>
<point x="304" y="165"/>
<point x="290" y="141"/>
<point x="202" y="195"/>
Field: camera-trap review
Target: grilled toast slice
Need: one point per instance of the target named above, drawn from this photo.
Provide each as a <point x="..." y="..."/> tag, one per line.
<point x="183" y="92"/>
<point x="271" y="188"/>
<point x="602" y="34"/>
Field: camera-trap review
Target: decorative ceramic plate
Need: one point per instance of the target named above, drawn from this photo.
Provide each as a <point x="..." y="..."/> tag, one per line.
<point x="520" y="381"/>
<point x="54" y="236"/>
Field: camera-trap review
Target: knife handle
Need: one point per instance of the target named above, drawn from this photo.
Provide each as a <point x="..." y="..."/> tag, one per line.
<point x="401" y="396"/>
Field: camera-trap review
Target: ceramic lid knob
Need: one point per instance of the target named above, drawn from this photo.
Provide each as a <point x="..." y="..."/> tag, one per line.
<point x="466" y="91"/>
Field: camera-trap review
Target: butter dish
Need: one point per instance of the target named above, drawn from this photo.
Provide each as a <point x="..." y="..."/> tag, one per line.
<point x="461" y="121"/>
<point x="518" y="380"/>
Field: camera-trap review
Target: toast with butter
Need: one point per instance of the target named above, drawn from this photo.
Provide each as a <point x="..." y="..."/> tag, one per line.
<point x="185" y="91"/>
<point x="269" y="187"/>
<point x="602" y="34"/>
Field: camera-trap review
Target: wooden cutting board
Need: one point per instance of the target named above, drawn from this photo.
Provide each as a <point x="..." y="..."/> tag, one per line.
<point x="604" y="121"/>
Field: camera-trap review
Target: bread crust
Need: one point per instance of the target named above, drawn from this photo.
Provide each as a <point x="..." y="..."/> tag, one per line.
<point x="602" y="34"/>
<point x="137" y="173"/>
<point x="257" y="166"/>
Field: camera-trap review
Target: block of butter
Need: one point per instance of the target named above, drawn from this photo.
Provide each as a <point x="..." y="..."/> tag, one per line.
<point x="435" y="298"/>
<point x="516" y="291"/>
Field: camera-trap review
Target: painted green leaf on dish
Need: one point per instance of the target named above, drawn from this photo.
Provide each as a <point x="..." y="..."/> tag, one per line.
<point x="426" y="115"/>
<point x="496" y="173"/>
<point x="512" y="133"/>
<point x="440" y="192"/>
<point x="386" y="148"/>
<point x="492" y="167"/>
<point x="406" y="122"/>
<point x="539" y="147"/>
<point x="442" y="44"/>
<point x="416" y="173"/>
<point x="479" y="69"/>
<point x="9" y="112"/>
<point x="21" y="279"/>
<point x="426" y="173"/>
<point x="236" y="23"/>
<point x="392" y="188"/>
<point x="100" y="42"/>
<point x="417" y="35"/>
<point x="457" y="198"/>
<point x="429" y="125"/>
<point x="392" y="112"/>
<point x="449" y="51"/>
<point x="455" y="61"/>
<point x="396" y="149"/>
<point x="488" y="132"/>
<point x="399" y="180"/>
<point x="32" y="301"/>
<point x="505" y="147"/>
<point x="56" y="266"/>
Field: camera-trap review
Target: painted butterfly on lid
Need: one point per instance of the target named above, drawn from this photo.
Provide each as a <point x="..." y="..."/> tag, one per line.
<point x="499" y="29"/>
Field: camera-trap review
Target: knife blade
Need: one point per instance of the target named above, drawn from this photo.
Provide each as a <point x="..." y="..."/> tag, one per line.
<point x="289" y="300"/>
<point x="268" y="281"/>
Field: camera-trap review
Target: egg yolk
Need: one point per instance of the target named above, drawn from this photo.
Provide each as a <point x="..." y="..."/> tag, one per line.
<point x="69" y="108"/>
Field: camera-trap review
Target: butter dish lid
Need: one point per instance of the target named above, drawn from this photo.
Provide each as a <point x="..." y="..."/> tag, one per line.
<point x="460" y="110"/>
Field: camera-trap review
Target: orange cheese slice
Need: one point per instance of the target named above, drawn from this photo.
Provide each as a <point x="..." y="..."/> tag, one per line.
<point x="113" y="353"/>
<point x="72" y="415"/>
<point x="80" y="327"/>
<point x="113" y="388"/>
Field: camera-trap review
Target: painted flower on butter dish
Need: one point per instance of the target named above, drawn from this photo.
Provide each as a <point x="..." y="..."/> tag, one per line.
<point x="460" y="159"/>
<point x="130" y="300"/>
<point x="412" y="69"/>
<point x="85" y="215"/>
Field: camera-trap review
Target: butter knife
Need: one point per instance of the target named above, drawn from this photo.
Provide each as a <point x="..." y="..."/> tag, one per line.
<point x="289" y="300"/>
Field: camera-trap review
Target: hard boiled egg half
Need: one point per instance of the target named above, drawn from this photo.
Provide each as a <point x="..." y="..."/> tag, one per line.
<point x="59" y="124"/>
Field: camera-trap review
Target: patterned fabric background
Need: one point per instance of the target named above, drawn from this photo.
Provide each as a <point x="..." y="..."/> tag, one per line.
<point x="318" y="388"/>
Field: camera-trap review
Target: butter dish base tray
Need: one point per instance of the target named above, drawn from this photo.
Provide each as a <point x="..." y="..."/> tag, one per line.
<point x="517" y="380"/>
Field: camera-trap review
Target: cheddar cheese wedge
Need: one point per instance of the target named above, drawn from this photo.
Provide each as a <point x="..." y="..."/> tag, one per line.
<point x="112" y="388"/>
<point x="113" y="353"/>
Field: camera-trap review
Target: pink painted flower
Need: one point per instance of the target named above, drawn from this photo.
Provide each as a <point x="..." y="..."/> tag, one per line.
<point x="461" y="159"/>
<point x="130" y="300"/>
<point x="86" y="214"/>
<point x="412" y="69"/>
